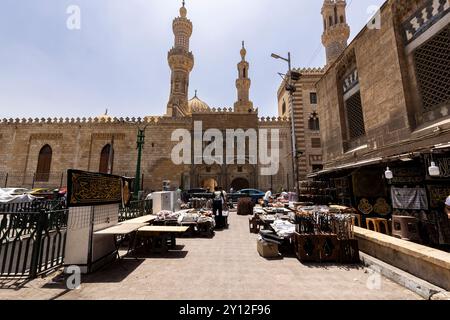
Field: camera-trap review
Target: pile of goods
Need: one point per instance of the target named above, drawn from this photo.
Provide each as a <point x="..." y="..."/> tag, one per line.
<point x="166" y="217"/>
<point x="325" y="234"/>
<point x="245" y="206"/>
<point x="318" y="192"/>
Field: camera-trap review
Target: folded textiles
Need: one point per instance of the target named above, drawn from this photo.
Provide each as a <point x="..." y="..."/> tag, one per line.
<point x="283" y="228"/>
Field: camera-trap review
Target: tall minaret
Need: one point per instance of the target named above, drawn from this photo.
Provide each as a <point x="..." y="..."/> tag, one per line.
<point x="243" y="104"/>
<point x="181" y="62"/>
<point x="336" y="30"/>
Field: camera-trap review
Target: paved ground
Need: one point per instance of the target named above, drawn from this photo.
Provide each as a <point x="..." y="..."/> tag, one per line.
<point x="225" y="267"/>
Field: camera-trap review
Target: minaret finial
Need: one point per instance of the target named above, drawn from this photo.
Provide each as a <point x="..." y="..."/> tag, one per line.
<point x="106" y="112"/>
<point x="243" y="51"/>
<point x="183" y="10"/>
<point x="195" y="96"/>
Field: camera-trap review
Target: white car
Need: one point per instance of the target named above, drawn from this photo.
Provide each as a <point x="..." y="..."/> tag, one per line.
<point x="15" y="191"/>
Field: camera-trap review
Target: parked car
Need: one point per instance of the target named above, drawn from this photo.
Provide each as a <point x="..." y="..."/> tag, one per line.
<point x="45" y="193"/>
<point x="255" y="194"/>
<point x="16" y="191"/>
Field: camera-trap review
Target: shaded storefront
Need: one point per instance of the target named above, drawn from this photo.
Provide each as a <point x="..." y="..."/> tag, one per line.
<point x="410" y="192"/>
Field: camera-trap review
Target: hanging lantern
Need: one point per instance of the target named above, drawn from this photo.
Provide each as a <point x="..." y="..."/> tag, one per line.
<point x="433" y="170"/>
<point x="388" y="174"/>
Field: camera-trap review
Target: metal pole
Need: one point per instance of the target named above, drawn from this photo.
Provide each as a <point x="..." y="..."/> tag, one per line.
<point x="6" y="180"/>
<point x="294" y="139"/>
<point x="137" y="182"/>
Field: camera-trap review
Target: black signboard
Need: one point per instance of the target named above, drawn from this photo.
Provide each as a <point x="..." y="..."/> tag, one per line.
<point x="89" y="189"/>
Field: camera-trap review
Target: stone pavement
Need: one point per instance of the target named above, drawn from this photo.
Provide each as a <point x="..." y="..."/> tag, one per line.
<point x="225" y="267"/>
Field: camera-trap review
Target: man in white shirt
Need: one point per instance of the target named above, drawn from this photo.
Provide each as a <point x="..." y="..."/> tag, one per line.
<point x="267" y="197"/>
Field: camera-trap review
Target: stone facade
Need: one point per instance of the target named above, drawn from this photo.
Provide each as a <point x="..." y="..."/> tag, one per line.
<point x="78" y="143"/>
<point x="383" y="66"/>
<point x="305" y="110"/>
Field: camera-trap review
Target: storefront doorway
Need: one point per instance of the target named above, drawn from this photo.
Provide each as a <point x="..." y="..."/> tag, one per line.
<point x="239" y="184"/>
<point x="209" y="183"/>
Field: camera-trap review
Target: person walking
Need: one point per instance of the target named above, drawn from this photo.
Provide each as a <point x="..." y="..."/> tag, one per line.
<point x="218" y="200"/>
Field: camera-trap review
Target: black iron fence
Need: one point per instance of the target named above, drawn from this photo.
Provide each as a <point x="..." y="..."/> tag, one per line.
<point x="31" y="243"/>
<point x="34" y="206"/>
<point x="135" y="209"/>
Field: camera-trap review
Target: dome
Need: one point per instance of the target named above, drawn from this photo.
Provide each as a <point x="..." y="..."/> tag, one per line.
<point x="196" y="105"/>
<point x="104" y="117"/>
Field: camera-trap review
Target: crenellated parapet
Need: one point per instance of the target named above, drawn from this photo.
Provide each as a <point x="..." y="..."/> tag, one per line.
<point x="227" y="110"/>
<point x="274" y="121"/>
<point x="94" y="120"/>
<point x="310" y="71"/>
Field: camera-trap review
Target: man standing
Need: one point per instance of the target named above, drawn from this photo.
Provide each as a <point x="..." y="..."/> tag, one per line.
<point x="267" y="197"/>
<point x="218" y="200"/>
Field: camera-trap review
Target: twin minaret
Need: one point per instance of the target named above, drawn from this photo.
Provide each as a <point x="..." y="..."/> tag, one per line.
<point x="243" y="103"/>
<point x="336" y="30"/>
<point x="181" y="61"/>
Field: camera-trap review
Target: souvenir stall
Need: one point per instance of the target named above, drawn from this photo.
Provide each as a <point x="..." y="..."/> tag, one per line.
<point x="325" y="234"/>
<point x="315" y="233"/>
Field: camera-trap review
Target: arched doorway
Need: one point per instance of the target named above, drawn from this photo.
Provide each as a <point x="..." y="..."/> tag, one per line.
<point x="105" y="158"/>
<point x="209" y="183"/>
<point x="239" y="184"/>
<point x="44" y="164"/>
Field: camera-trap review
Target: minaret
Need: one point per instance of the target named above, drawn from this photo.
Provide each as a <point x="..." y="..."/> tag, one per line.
<point x="336" y="30"/>
<point x="181" y="62"/>
<point x="243" y="104"/>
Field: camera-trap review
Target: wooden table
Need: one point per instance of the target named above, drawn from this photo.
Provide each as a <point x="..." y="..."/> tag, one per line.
<point x="144" y="219"/>
<point x="160" y="235"/>
<point x="121" y="230"/>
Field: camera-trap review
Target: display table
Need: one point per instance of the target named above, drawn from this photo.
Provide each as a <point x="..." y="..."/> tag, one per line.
<point x="144" y="219"/>
<point x="119" y="231"/>
<point x="160" y="236"/>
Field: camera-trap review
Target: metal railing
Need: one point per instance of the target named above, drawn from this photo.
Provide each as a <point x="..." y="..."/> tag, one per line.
<point x="31" y="243"/>
<point x="135" y="209"/>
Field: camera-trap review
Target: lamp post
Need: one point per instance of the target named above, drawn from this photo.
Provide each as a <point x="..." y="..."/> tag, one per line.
<point x="139" y="146"/>
<point x="291" y="89"/>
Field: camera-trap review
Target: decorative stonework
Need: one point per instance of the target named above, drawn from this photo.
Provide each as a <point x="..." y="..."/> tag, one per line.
<point x="424" y="18"/>
<point x="46" y="136"/>
<point x="351" y="81"/>
<point x="108" y="136"/>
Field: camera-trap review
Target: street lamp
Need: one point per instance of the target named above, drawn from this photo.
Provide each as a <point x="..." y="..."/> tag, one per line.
<point x="291" y="76"/>
<point x="139" y="145"/>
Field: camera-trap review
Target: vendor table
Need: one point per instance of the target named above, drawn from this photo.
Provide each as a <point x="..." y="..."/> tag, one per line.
<point x="144" y="219"/>
<point x="160" y="235"/>
<point x="121" y="230"/>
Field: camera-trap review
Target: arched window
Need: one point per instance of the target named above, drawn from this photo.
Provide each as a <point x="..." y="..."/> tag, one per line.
<point x="313" y="122"/>
<point x="324" y="24"/>
<point x="283" y="108"/>
<point x="335" y="15"/>
<point x="44" y="164"/>
<point x="342" y="19"/>
<point x="330" y="21"/>
<point x="244" y="73"/>
<point x="106" y="157"/>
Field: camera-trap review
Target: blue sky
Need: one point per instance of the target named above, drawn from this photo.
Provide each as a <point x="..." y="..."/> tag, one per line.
<point x="118" y="59"/>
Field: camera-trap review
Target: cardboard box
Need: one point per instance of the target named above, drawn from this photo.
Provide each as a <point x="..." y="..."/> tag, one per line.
<point x="266" y="249"/>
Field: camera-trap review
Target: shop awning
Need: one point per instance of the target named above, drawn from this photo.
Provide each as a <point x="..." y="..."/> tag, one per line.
<point x="347" y="166"/>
